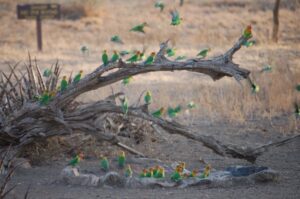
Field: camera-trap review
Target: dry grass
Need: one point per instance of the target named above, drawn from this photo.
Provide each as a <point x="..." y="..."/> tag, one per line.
<point x="216" y="24"/>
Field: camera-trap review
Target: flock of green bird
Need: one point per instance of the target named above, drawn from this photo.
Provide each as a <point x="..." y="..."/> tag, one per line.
<point x="138" y="56"/>
<point x="180" y="172"/>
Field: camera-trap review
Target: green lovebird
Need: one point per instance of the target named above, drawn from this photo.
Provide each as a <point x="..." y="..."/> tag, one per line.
<point x="150" y="173"/>
<point x="124" y="52"/>
<point x="105" y="58"/>
<point x="148" y="97"/>
<point x="173" y="112"/>
<point x="191" y="105"/>
<point x="115" y="57"/>
<point x="176" y="19"/>
<point x="144" y="173"/>
<point x="63" y="84"/>
<point x="160" y="173"/>
<point x="121" y="159"/>
<point x="47" y="73"/>
<point x="116" y="39"/>
<point x="248" y="32"/>
<point x="78" y="77"/>
<point x="298" y="87"/>
<point x="170" y="52"/>
<point x="203" y="53"/>
<point x="124" y="105"/>
<point x="75" y="161"/>
<point x="249" y="43"/>
<point x="160" y="5"/>
<point x="135" y="57"/>
<point x="180" y="58"/>
<point x="45" y="98"/>
<point x="150" y="59"/>
<point x="128" y="172"/>
<point x="158" y="113"/>
<point x="266" y="68"/>
<point x="127" y="80"/>
<point x="206" y="171"/>
<point x="297" y="110"/>
<point x="104" y="164"/>
<point x="176" y="176"/>
<point x="139" y="28"/>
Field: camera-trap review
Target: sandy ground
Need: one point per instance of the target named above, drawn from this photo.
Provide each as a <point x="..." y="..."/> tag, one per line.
<point x="226" y="111"/>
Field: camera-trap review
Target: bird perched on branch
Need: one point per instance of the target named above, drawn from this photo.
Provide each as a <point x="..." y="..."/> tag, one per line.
<point x="104" y="164"/>
<point x="105" y="58"/>
<point x="176" y="19"/>
<point x="203" y="53"/>
<point x="114" y="57"/>
<point x="116" y="39"/>
<point x="150" y="59"/>
<point x="248" y="32"/>
<point x="45" y="98"/>
<point x="78" y="77"/>
<point x="159" y="5"/>
<point x="121" y="159"/>
<point x="75" y="161"/>
<point x="124" y="105"/>
<point x="63" y="84"/>
<point x="128" y="172"/>
<point x="158" y="113"/>
<point x="135" y="57"/>
<point x="254" y="87"/>
<point x="139" y="28"/>
<point x="148" y="97"/>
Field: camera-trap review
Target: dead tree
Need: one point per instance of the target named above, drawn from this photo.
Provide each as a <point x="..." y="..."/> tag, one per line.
<point x="275" y="21"/>
<point x="23" y="120"/>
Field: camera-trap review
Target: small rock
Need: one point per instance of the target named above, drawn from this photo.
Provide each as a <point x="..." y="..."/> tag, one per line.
<point x="114" y="179"/>
<point x="266" y="176"/>
<point x="72" y="176"/>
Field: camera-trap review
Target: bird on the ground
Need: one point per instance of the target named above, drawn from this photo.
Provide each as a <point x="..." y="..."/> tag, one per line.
<point x="139" y="28"/>
<point x="160" y="173"/>
<point x="144" y="173"/>
<point x="194" y="173"/>
<point x="104" y="164"/>
<point x="150" y="173"/>
<point x="128" y="172"/>
<point x="116" y="39"/>
<point x="177" y="174"/>
<point x="148" y="97"/>
<point x="121" y="159"/>
<point x="78" y="77"/>
<point x="206" y="171"/>
<point x="75" y="160"/>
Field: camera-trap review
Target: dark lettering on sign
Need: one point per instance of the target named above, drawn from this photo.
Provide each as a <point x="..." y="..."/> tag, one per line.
<point x="44" y="11"/>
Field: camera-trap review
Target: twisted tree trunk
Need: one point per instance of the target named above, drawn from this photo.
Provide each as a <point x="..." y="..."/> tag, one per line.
<point x="23" y="120"/>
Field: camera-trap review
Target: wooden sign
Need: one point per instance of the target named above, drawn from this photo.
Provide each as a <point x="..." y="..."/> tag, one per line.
<point x="38" y="12"/>
<point x="44" y="11"/>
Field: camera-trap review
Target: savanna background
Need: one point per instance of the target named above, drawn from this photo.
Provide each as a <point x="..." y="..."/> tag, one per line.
<point x="225" y="109"/>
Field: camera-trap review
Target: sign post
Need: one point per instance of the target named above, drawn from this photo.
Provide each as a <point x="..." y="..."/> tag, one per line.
<point x="38" y="12"/>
